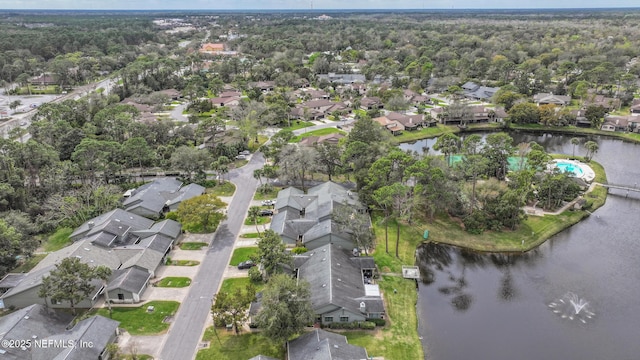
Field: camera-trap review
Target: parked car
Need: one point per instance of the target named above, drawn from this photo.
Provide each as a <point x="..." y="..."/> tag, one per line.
<point x="338" y="127"/>
<point x="268" y="202"/>
<point x="241" y="157"/>
<point x="245" y="153"/>
<point x="246" y="265"/>
<point x="265" y="212"/>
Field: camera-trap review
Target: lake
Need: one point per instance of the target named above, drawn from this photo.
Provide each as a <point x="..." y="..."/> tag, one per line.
<point x="576" y="296"/>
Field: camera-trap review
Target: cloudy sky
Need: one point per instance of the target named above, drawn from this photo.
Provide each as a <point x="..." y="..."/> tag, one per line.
<point x="305" y="4"/>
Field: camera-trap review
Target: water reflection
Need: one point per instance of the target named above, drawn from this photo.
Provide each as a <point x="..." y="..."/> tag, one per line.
<point x="589" y="267"/>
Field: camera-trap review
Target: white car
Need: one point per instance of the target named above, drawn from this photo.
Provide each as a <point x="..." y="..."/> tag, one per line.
<point x="241" y="157"/>
<point x="268" y="202"/>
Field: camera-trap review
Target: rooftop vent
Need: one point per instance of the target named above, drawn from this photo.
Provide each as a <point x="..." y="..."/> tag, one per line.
<point x="324" y="285"/>
<point x="26" y="317"/>
<point x="324" y="259"/>
<point x="87" y="249"/>
<point x="90" y="224"/>
<point x="79" y="257"/>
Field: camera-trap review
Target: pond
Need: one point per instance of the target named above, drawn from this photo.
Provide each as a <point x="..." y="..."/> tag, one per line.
<point x="574" y="297"/>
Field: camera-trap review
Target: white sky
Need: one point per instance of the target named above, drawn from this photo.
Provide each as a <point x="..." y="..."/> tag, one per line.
<point x="306" y="4"/>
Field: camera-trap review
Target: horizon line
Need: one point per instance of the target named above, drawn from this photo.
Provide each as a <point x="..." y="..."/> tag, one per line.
<point x="325" y="9"/>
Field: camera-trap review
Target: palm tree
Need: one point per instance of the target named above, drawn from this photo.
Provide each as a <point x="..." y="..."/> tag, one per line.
<point x="592" y="148"/>
<point x="254" y="214"/>
<point x="574" y="142"/>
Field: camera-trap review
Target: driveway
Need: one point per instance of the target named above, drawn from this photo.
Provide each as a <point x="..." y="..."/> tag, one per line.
<point x="193" y="315"/>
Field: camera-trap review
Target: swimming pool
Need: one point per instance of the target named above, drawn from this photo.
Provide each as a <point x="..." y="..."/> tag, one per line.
<point x="575" y="168"/>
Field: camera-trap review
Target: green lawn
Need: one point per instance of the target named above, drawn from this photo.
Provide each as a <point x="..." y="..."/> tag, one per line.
<point x="29" y="263"/>
<point x="192" y="245"/>
<point x="249" y="235"/>
<point x="319" y="132"/>
<point x="242" y="254"/>
<point x="298" y="124"/>
<point x="174" y="282"/>
<point x="137" y="321"/>
<point x="261" y="220"/>
<point x="224" y="345"/>
<point x="399" y="338"/>
<point x="231" y="284"/>
<point x="225" y="189"/>
<point x="253" y="146"/>
<point x="58" y="239"/>
<point x="183" y="263"/>
<point x="270" y="195"/>
<point x="423" y="133"/>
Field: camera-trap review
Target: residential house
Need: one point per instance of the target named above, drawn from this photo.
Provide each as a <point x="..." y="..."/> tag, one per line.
<point x="152" y="199"/>
<point x="635" y="107"/>
<point x="600" y="100"/>
<point x="333" y="138"/>
<point x="318" y="109"/>
<point x="547" y="98"/>
<point x="410" y="122"/>
<point x="52" y="335"/>
<point x="306" y="219"/>
<point x="415" y="99"/>
<point x="371" y="103"/>
<point x="227" y="98"/>
<point x="619" y="123"/>
<point x="342" y="286"/>
<point x="43" y="80"/>
<point x="128" y="285"/>
<point x="264" y="86"/>
<point x="342" y="79"/>
<point x="324" y="345"/>
<point x="119" y="240"/>
<point x="212" y="48"/>
<point x="395" y="127"/>
<point x="474" y="91"/>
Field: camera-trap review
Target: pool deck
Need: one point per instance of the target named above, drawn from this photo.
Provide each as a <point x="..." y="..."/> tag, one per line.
<point x="588" y="175"/>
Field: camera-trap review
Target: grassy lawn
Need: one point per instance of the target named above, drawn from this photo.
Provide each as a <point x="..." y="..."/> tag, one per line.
<point x="224" y="345"/>
<point x="298" y="124"/>
<point x="137" y="321"/>
<point x="319" y="132"/>
<point x="225" y="189"/>
<point x="424" y="133"/>
<point x="58" y="240"/>
<point x="261" y="220"/>
<point x="183" y="263"/>
<point x="253" y="146"/>
<point x="267" y="195"/>
<point x="249" y="235"/>
<point x="231" y="284"/>
<point x="174" y="282"/>
<point x="29" y="263"/>
<point x="192" y="245"/>
<point x="242" y="254"/>
<point x="399" y="338"/>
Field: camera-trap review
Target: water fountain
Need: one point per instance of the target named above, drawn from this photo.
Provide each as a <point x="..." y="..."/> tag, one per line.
<point x="571" y="306"/>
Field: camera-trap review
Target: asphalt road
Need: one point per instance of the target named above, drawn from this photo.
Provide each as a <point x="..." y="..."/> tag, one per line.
<point x="186" y="331"/>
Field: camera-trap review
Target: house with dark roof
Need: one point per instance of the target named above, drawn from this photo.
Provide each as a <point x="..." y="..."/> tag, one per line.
<point x="342" y="78"/>
<point x="307" y="219"/>
<point x="395" y="127"/>
<point x="371" y="103"/>
<point x="324" y="345"/>
<point x="163" y="194"/>
<point x="342" y="286"/>
<point x="118" y="240"/>
<point x="52" y="336"/>
<point x="635" y="107"/>
<point x="474" y="91"/>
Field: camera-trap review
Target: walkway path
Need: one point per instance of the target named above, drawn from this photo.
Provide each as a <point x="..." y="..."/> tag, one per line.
<point x="535" y="211"/>
<point x="193" y="314"/>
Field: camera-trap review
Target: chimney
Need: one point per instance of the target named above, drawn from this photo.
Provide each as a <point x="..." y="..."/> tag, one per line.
<point x="363" y="307"/>
<point x="90" y="224"/>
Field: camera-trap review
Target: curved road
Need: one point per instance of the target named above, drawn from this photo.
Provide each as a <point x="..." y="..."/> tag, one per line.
<point x="186" y="331"/>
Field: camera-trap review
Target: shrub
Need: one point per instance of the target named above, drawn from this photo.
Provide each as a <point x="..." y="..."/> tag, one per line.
<point x="367" y="325"/>
<point x="378" y="322"/>
<point x="171" y="215"/>
<point x="255" y="275"/>
<point x="299" y="250"/>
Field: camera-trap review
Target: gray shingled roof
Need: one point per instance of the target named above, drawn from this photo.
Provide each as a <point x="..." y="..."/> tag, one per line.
<point x="157" y="242"/>
<point x="323" y="345"/>
<point x="186" y="193"/>
<point x="11" y="280"/>
<point x="96" y="330"/>
<point x="24" y="324"/>
<point x="132" y="279"/>
<point x="153" y="196"/>
<point x="262" y="357"/>
<point x="335" y="278"/>
<point x="319" y="205"/>
<point x="126" y="218"/>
